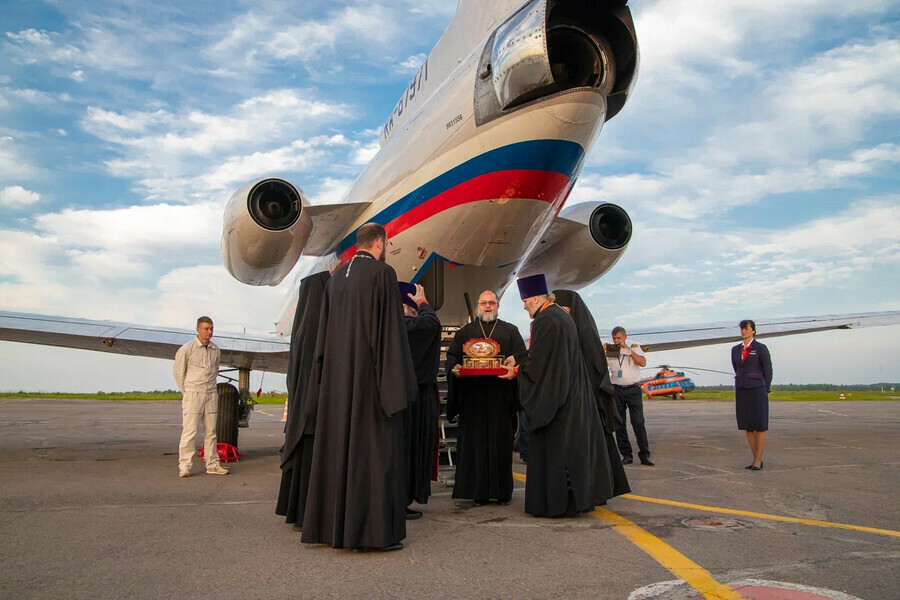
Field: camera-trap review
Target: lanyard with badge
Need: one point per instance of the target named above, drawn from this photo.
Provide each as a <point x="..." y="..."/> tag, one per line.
<point x="620" y="358"/>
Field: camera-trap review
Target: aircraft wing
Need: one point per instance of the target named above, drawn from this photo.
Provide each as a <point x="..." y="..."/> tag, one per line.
<point x="254" y="352"/>
<point x="561" y="228"/>
<point x="673" y="338"/>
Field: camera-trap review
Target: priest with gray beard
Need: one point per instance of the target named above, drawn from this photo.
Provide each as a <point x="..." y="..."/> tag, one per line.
<point x="487" y="407"/>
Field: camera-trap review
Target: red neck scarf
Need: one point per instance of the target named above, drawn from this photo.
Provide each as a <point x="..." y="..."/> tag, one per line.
<point x="745" y="351"/>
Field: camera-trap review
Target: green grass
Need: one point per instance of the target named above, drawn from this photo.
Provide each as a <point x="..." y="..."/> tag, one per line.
<point x="116" y="396"/>
<point x="266" y="398"/>
<point x="803" y="396"/>
<point x="278" y="398"/>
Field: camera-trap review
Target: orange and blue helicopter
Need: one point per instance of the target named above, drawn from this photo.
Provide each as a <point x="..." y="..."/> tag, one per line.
<point x="669" y="382"/>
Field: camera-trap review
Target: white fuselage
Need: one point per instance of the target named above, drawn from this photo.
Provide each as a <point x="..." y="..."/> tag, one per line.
<point x="478" y="198"/>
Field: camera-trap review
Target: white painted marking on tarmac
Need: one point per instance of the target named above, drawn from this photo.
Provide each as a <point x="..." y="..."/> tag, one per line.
<point x="656" y="591"/>
<point x="824" y="448"/>
<point x="834" y="595"/>
<point x="831" y="412"/>
<point x="710" y="447"/>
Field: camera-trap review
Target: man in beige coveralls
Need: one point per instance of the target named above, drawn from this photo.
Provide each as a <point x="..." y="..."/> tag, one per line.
<point x="196" y="368"/>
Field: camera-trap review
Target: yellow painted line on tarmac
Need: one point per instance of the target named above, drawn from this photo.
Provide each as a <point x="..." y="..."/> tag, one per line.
<point x="667" y="556"/>
<point x="673" y="560"/>
<point x="747" y="513"/>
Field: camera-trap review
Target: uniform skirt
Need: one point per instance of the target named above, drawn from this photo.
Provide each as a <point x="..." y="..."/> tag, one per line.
<point x="752" y="409"/>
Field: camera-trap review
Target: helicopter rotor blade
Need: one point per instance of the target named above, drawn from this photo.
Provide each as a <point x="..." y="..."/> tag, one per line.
<point x="694" y="369"/>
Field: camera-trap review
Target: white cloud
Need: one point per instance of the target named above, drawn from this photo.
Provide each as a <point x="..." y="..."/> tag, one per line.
<point x="330" y="191"/>
<point x="681" y="40"/>
<point x="186" y="157"/>
<point x="35" y="46"/>
<point x="17" y="196"/>
<point x="694" y="190"/>
<point x="828" y="102"/>
<point x="412" y="63"/>
<point x="77" y="75"/>
<point x="365" y="152"/>
<point x="255" y="40"/>
<point x="298" y="156"/>
<point x="102" y="43"/>
<point x="12" y="164"/>
<point x="135" y="230"/>
<point x="766" y="269"/>
<point x="186" y="292"/>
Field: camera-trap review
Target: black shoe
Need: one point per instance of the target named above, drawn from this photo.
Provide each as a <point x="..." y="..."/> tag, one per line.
<point x="413" y="514"/>
<point x="479" y="502"/>
<point x="648" y="462"/>
<point x="627" y="460"/>
<point x="297" y="526"/>
<point x="749" y="467"/>
<point x="503" y="502"/>
<point x="759" y="468"/>
<point x="523" y="459"/>
<point x="397" y="546"/>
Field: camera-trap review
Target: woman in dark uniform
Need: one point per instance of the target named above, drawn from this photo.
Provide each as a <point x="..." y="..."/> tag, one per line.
<point x="752" y="384"/>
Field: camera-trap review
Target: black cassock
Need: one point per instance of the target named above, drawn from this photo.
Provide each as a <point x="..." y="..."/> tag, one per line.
<point x="566" y="437"/>
<point x="299" y="432"/>
<point x="598" y="372"/>
<point x="424" y="331"/>
<point x="487" y="407"/>
<point x="357" y="485"/>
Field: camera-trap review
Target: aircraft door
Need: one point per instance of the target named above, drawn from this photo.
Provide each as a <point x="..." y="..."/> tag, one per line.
<point x="432" y="280"/>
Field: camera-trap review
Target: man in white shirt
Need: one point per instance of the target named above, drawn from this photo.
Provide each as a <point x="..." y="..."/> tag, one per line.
<point x="625" y="372"/>
<point x="196" y="368"/>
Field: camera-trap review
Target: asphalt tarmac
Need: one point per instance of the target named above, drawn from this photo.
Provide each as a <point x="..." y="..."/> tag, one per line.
<point x="91" y="507"/>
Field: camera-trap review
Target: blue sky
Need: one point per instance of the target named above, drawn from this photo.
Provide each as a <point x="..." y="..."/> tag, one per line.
<point x="758" y="158"/>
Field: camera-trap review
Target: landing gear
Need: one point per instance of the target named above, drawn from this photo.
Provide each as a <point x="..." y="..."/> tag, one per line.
<point x="227" y="420"/>
<point x="246" y="400"/>
<point x="235" y="406"/>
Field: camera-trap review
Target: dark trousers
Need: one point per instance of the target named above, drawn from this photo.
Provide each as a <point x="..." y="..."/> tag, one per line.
<point x="523" y="435"/>
<point x="629" y="397"/>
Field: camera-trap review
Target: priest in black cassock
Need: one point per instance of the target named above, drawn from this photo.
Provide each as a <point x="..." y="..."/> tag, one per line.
<point x="487" y="407"/>
<point x="598" y="371"/>
<point x="564" y="476"/>
<point x="365" y="376"/>
<point x="424" y="330"/>
<point x="299" y="432"/>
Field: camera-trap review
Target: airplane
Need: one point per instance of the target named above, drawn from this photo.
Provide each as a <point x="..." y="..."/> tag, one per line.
<point x="477" y="160"/>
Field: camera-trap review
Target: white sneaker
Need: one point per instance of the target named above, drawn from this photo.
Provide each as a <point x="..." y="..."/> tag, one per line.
<point x="184" y="472"/>
<point x="217" y="470"/>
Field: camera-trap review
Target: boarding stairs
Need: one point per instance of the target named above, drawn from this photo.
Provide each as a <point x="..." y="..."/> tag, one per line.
<point x="447" y="433"/>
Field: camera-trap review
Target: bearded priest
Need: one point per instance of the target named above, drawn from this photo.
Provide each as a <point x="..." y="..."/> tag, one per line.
<point x="486" y="406"/>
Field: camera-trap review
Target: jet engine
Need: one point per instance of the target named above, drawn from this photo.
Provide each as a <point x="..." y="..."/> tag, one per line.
<point x="265" y="228"/>
<point x="584" y="242"/>
<point x="552" y="46"/>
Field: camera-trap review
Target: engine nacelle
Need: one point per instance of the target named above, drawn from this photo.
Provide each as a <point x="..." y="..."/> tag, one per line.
<point x="552" y="46"/>
<point x="264" y="231"/>
<point x="578" y="259"/>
